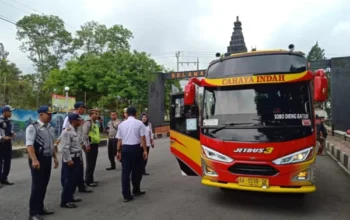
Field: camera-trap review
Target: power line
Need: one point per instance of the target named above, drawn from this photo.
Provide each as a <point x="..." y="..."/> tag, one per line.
<point x="7" y="20"/>
<point x="26" y="6"/>
<point x="26" y="12"/>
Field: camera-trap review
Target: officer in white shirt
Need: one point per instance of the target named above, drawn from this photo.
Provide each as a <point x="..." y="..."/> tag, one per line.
<point x="132" y="150"/>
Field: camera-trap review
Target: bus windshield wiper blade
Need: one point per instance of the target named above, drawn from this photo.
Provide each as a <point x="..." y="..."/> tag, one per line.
<point x="228" y="125"/>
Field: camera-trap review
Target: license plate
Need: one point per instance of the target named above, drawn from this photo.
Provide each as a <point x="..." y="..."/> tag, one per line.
<point x="253" y="182"/>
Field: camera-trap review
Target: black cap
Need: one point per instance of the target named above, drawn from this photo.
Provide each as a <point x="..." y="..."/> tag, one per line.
<point x="7" y="108"/>
<point x="45" y="109"/>
<point x="79" y="104"/>
<point x="74" y="116"/>
<point x="131" y="111"/>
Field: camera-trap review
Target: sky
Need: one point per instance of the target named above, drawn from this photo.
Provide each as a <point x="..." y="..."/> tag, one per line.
<point x="197" y="28"/>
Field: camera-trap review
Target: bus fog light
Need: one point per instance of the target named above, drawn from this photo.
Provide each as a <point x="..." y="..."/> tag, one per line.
<point x="302" y="175"/>
<point x="207" y="170"/>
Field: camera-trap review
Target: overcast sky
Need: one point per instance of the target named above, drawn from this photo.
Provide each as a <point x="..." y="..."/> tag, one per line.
<point x="200" y="28"/>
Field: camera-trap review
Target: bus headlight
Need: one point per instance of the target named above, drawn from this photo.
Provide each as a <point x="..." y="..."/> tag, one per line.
<point x="296" y="157"/>
<point x="214" y="155"/>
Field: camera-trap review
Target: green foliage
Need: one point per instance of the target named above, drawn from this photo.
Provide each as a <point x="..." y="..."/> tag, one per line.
<point x="46" y="40"/>
<point x="106" y="77"/>
<point x="95" y="38"/>
<point x="13" y="83"/>
<point x="98" y="65"/>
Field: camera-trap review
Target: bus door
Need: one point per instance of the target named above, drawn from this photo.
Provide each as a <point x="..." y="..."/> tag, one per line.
<point x="184" y="135"/>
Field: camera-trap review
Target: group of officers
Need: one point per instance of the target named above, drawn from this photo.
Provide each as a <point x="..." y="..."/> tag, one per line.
<point x="78" y="136"/>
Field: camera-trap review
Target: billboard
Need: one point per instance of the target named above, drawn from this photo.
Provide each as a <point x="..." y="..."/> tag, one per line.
<point x="59" y="103"/>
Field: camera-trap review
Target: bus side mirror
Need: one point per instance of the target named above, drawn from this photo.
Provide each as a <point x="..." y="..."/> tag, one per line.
<point x="190" y="94"/>
<point x="320" y="86"/>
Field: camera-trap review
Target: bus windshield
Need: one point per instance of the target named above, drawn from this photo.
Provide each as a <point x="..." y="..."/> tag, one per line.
<point x="257" y="113"/>
<point x="258" y="64"/>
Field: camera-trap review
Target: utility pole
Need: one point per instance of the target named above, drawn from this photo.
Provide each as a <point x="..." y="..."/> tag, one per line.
<point x="177" y="54"/>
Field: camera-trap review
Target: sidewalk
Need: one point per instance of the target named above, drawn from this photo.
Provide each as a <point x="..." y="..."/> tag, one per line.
<point x="338" y="147"/>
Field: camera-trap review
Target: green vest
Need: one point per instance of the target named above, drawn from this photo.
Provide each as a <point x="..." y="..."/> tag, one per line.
<point x="94" y="134"/>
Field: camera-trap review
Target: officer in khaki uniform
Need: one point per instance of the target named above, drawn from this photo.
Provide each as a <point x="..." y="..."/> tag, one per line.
<point x="72" y="160"/>
<point x="91" y="139"/>
<point x="112" y="128"/>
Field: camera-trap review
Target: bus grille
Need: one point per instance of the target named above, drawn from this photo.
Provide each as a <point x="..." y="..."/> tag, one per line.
<point x="253" y="169"/>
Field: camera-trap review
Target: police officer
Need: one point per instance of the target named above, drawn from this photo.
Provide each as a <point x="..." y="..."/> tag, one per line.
<point x="91" y="139"/>
<point x="40" y="148"/>
<point x="6" y="136"/>
<point x="125" y="114"/>
<point x="79" y="108"/>
<point x="132" y="150"/>
<point x="71" y="160"/>
<point x="112" y="128"/>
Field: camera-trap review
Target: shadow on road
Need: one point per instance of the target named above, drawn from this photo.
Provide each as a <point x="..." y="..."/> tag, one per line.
<point x="289" y="204"/>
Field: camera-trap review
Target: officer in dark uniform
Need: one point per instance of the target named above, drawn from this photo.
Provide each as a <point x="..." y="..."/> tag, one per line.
<point x="40" y="148"/>
<point x="132" y="150"/>
<point x="71" y="159"/>
<point x="6" y="135"/>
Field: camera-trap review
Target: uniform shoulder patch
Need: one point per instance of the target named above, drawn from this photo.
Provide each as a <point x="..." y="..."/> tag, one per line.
<point x="68" y="129"/>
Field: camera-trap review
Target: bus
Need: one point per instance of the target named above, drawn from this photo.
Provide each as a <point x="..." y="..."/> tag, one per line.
<point x="254" y="128"/>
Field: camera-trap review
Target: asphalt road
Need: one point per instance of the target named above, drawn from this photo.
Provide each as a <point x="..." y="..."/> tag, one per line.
<point x="171" y="196"/>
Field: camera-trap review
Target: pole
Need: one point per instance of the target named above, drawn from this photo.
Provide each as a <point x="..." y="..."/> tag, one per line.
<point x="85" y="98"/>
<point x="67" y="101"/>
<point x="197" y="63"/>
<point x="177" y="54"/>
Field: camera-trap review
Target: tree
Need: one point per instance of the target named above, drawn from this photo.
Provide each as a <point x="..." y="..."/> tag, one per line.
<point x="122" y="74"/>
<point x="14" y="84"/>
<point x="46" y="40"/>
<point x="96" y="38"/>
<point x="317" y="53"/>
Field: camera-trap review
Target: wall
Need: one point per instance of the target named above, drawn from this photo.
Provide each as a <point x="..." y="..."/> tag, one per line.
<point x="340" y="101"/>
<point x="22" y="118"/>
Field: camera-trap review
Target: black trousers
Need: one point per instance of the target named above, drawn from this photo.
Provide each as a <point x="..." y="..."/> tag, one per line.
<point x="132" y="164"/>
<point x="80" y="178"/>
<point x="112" y="150"/>
<point x="40" y="180"/>
<point x="145" y="161"/>
<point x="5" y="159"/>
<point x="70" y="179"/>
<point x="91" y="158"/>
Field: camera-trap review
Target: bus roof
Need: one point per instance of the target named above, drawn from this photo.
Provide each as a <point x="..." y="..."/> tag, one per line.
<point x="260" y="52"/>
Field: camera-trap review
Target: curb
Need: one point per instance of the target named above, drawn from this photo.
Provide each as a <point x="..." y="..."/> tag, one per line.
<point x="342" y="159"/>
<point x="161" y="135"/>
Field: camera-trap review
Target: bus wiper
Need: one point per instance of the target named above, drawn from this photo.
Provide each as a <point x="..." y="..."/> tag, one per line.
<point x="228" y="125"/>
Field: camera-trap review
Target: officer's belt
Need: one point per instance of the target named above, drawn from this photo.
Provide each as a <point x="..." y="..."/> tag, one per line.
<point x="75" y="154"/>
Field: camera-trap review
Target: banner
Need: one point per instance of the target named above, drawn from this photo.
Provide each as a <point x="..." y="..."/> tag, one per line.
<point x="59" y="103"/>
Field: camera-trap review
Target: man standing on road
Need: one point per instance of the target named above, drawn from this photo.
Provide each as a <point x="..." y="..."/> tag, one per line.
<point x="79" y="108"/>
<point x="72" y="160"/>
<point x="6" y="136"/>
<point x="91" y="139"/>
<point x="131" y="135"/>
<point x="112" y="128"/>
<point x="40" y="148"/>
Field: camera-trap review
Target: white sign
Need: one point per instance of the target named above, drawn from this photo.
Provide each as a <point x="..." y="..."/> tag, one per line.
<point x="211" y="122"/>
<point x="291" y="116"/>
<point x="191" y="124"/>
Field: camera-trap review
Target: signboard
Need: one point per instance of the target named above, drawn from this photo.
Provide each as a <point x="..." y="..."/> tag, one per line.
<point x="185" y="74"/>
<point x="59" y="103"/>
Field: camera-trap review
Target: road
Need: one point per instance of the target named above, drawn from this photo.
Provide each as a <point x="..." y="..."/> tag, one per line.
<point x="171" y="196"/>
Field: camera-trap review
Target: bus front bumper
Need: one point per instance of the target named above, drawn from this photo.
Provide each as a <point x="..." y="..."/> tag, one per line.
<point x="270" y="189"/>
